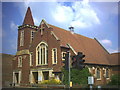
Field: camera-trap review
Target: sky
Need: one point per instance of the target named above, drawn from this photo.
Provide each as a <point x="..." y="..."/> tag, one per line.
<point x="91" y="19"/>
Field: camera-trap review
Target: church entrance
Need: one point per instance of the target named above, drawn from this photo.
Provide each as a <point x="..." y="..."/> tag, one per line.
<point x="16" y="78"/>
<point x="35" y="77"/>
<point x="46" y="75"/>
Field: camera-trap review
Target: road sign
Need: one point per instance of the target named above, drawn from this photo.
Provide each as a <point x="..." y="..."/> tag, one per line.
<point x="40" y="78"/>
<point x="90" y="80"/>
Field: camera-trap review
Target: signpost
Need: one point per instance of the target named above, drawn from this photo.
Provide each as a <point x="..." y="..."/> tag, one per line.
<point x="91" y="81"/>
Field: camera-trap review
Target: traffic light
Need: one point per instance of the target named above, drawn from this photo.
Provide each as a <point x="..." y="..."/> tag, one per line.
<point x="66" y="61"/>
<point x="78" y="61"/>
<point x="81" y="64"/>
<point x="74" y="62"/>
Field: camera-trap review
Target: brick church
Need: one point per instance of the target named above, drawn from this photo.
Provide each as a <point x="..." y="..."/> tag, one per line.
<point x="40" y="52"/>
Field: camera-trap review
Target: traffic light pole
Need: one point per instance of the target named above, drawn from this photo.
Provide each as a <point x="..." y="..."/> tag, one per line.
<point x="69" y="69"/>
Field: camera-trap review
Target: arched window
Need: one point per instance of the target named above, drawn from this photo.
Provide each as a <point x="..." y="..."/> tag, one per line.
<point x="54" y="55"/>
<point x="31" y="59"/>
<point x="107" y="73"/>
<point x="22" y="38"/>
<point x="20" y="61"/>
<point x="98" y="73"/>
<point x="32" y="35"/>
<point x="42" y="54"/>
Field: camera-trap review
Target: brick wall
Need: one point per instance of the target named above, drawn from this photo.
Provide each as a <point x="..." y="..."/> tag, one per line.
<point x="6" y="69"/>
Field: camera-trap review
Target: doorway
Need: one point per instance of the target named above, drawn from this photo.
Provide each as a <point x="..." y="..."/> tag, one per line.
<point x="46" y="75"/>
<point x="35" y="77"/>
<point x="16" y="78"/>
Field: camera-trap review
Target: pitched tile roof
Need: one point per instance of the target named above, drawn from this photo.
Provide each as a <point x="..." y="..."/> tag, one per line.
<point x="114" y="59"/>
<point x="28" y="17"/>
<point x="93" y="50"/>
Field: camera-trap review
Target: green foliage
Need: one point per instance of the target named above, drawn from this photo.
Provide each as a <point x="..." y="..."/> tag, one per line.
<point x="115" y="80"/>
<point x="53" y="81"/>
<point x="77" y="76"/>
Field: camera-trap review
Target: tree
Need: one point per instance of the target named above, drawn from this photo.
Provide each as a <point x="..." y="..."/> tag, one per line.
<point x="77" y="76"/>
<point x="115" y="80"/>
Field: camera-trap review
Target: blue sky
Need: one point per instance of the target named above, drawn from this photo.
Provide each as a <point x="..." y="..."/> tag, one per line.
<point x="92" y="19"/>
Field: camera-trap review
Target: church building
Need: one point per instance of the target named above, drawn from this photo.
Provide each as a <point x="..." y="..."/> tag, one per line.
<point x="40" y="52"/>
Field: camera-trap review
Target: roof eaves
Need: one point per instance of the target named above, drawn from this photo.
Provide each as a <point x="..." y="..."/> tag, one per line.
<point x="26" y="51"/>
<point x="97" y="64"/>
<point x="62" y="46"/>
<point x="44" y="22"/>
<point x="71" y="48"/>
<point x="52" y="33"/>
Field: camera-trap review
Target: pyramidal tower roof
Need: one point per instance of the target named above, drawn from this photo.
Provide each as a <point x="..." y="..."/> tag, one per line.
<point x="28" y="17"/>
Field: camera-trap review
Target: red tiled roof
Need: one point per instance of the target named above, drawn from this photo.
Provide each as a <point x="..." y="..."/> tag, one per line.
<point x="28" y="17"/>
<point x="94" y="52"/>
<point x="114" y="59"/>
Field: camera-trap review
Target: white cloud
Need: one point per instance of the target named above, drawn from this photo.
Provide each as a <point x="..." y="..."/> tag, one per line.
<point x="114" y="50"/>
<point x="62" y="13"/>
<point x="84" y="15"/>
<point x="106" y="42"/>
<point x="79" y="24"/>
<point x="109" y="46"/>
<point x="80" y="14"/>
<point x="13" y="26"/>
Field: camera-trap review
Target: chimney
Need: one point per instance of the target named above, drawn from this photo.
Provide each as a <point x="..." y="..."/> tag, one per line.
<point x="71" y="29"/>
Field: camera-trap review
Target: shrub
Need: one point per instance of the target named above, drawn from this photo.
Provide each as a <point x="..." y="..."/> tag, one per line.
<point x="45" y="82"/>
<point x="52" y="81"/>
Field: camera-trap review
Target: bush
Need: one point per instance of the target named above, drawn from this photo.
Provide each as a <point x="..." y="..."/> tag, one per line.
<point x="77" y="76"/>
<point x="53" y="81"/>
<point x="115" y="80"/>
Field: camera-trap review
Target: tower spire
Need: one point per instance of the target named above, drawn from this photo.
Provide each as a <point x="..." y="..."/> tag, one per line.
<point x="28" y="17"/>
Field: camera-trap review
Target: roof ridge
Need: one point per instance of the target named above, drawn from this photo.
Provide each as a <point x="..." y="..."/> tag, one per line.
<point x="70" y="32"/>
<point x="84" y="36"/>
<point x="7" y="54"/>
<point x="58" y="27"/>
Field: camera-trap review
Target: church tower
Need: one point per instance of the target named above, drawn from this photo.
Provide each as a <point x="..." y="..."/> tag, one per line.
<point x="26" y="31"/>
